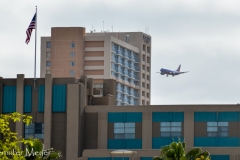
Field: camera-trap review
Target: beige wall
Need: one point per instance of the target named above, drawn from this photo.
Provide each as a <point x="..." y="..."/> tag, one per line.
<point x="94" y="63"/>
<point x="93" y="72"/>
<point x="43" y="54"/>
<point x="94" y="44"/>
<point x="61" y="37"/>
<point x="94" y="53"/>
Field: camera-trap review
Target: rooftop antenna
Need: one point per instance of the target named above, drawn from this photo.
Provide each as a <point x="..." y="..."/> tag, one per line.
<point x="112" y="28"/>
<point x="103" y="26"/>
<point x="93" y="30"/>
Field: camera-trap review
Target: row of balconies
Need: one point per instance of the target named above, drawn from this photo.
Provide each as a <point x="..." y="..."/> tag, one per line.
<point x="125" y="64"/>
<point x="124" y="75"/>
<point x="132" y="57"/>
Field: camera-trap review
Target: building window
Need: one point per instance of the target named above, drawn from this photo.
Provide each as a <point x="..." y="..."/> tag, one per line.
<point x="72" y="73"/>
<point x="147" y="95"/>
<point x="48" y="63"/>
<point x="48" y="54"/>
<point x="34" y="130"/>
<point x="143" y="102"/>
<point x="72" y="45"/>
<point x="148" y="59"/>
<point x="48" y="44"/>
<point x="171" y="129"/>
<point x="143" y="67"/>
<point x="147" y="86"/>
<point x="217" y="129"/>
<point x="72" y="54"/>
<point x="148" y="50"/>
<point x="148" y="78"/>
<point x="124" y="130"/>
<point x="143" y="76"/>
<point x="148" y="69"/>
<point x="147" y="103"/>
<point x="98" y="89"/>
<point x="143" y="84"/>
<point x="143" y="93"/>
<point x="72" y="63"/>
<point x="48" y="72"/>
<point x="143" y="57"/>
<point x="144" y="47"/>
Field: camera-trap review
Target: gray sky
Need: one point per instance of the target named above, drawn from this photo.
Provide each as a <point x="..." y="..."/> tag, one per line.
<point x="201" y="35"/>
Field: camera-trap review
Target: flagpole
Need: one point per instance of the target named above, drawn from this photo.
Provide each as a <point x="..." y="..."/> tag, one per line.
<point x="35" y="88"/>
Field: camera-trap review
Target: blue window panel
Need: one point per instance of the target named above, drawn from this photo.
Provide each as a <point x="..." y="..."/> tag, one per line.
<point x="133" y="144"/>
<point x="41" y="98"/>
<point x="146" y="158"/>
<point x="161" y="117"/>
<point x="228" y="142"/>
<point x="168" y="116"/>
<point x="115" y="117"/>
<point x="133" y="117"/>
<point x="205" y="116"/>
<point x="158" y="142"/>
<point x="116" y="144"/>
<point x="9" y="99"/>
<point x="59" y="98"/>
<point x="220" y="157"/>
<point x="205" y="141"/>
<point x="27" y="99"/>
<point x="228" y="116"/>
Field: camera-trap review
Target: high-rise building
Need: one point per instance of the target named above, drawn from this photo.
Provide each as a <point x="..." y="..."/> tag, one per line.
<point x="123" y="56"/>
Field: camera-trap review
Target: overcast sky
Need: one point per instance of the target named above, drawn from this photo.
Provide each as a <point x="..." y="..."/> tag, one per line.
<point x="201" y="35"/>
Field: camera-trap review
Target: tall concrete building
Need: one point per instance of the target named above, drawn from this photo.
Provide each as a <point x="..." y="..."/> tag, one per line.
<point x="122" y="56"/>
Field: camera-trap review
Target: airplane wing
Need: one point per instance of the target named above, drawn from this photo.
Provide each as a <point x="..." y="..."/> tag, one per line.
<point x="183" y="72"/>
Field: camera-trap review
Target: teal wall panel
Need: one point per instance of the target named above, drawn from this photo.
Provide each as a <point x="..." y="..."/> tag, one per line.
<point x="177" y="116"/>
<point x="216" y="141"/>
<point x="59" y="98"/>
<point x="41" y="98"/>
<point x="125" y="144"/>
<point x="115" y="117"/>
<point x="220" y="157"/>
<point x="146" y="158"/>
<point x="116" y="144"/>
<point x="158" y="142"/>
<point x="205" y="141"/>
<point x="27" y="99"/>
<point x="133" y="143"/>
<point x="168" y="116"/>
<point x="133" y="117"/>
<point x="160" y="116"/>
<point x="9" y="99"/>
<point x="228" y="116"/>
<point x="125" y="117"/>
<point x="228" y="142"/>
<point x="205" y="116"/>
<point x="108" y="158"/>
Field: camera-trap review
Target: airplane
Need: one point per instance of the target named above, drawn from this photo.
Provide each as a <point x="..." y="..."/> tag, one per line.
<point x="171" y="72"/>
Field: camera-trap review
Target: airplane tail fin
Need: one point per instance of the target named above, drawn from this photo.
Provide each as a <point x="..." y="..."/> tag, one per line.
<point x="179" y="67"/>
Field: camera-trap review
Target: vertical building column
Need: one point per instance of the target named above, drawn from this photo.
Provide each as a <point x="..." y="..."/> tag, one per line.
<point x="189" y="128"/>
<point x="20" y="101"/>
<point x="102" y="130"/>
<point x="146" y="130"/>
<point x="48" y="111"/>
<point x="72" y="121"/>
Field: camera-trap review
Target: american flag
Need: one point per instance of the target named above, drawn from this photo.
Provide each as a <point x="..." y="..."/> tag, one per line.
<point x="30" y="28"/>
